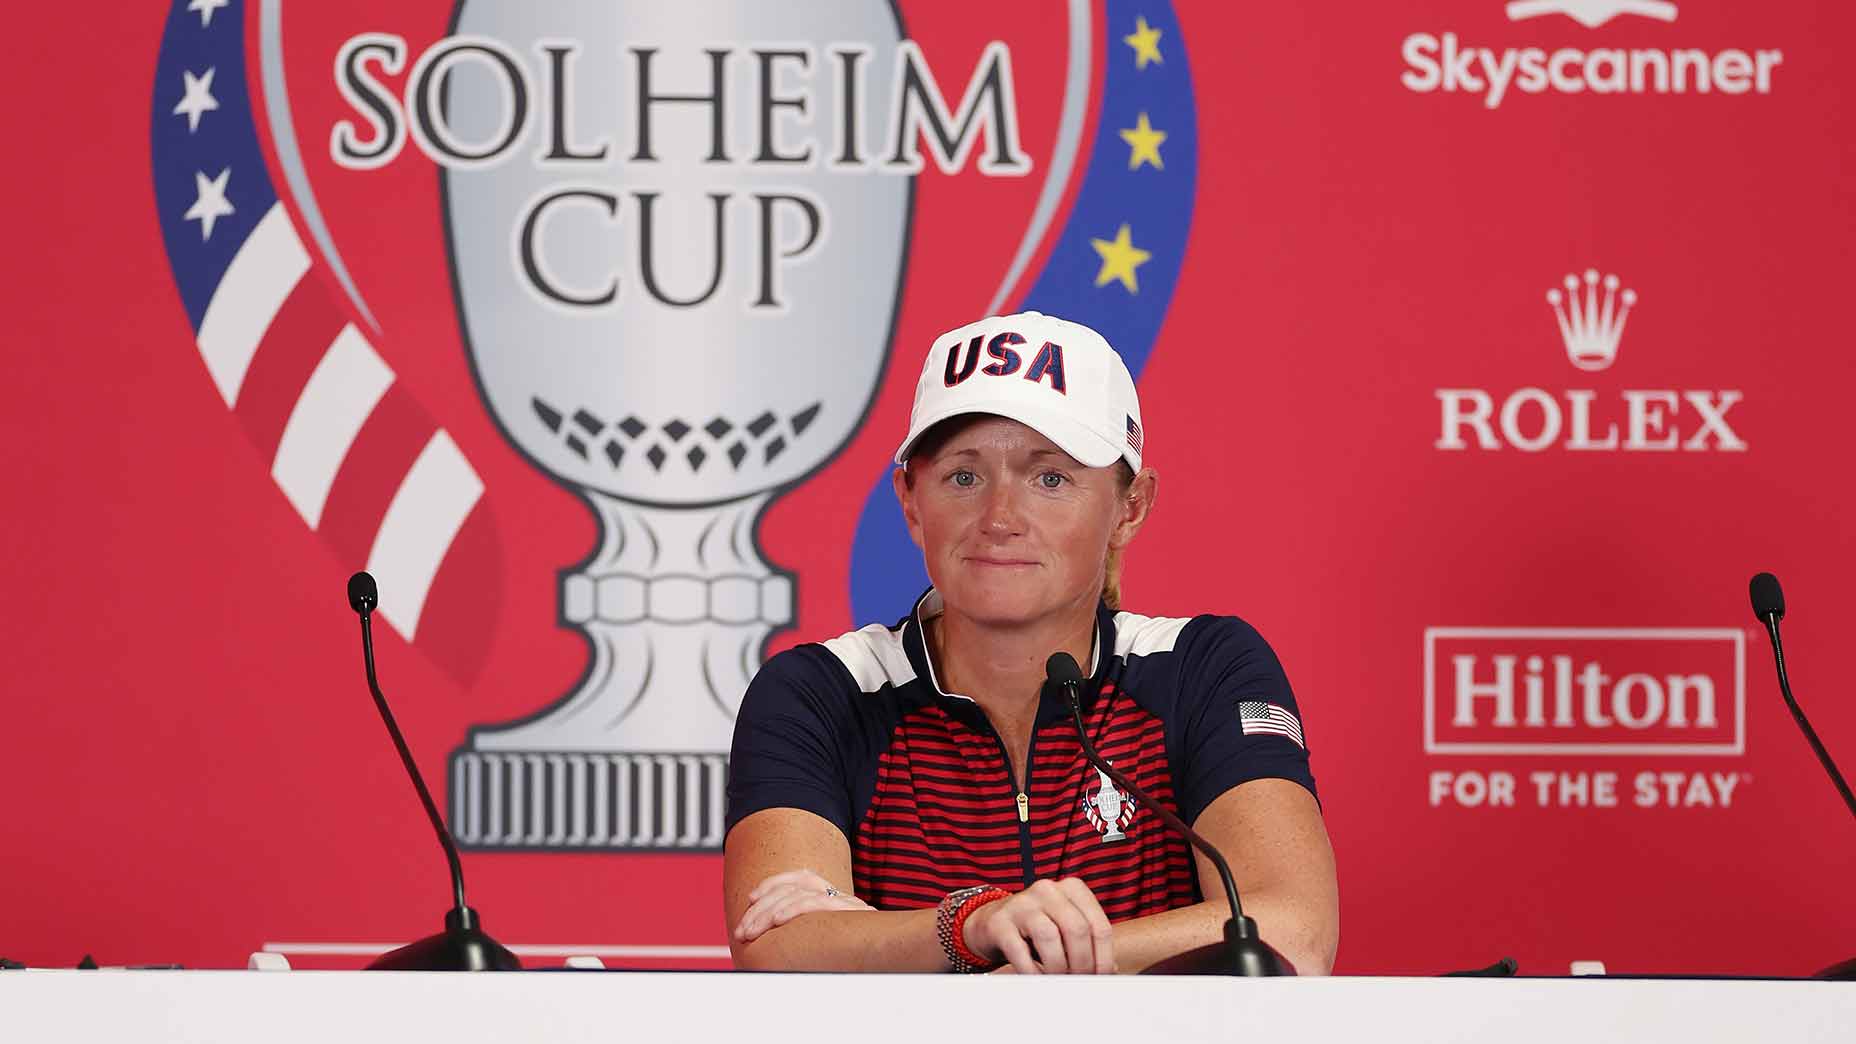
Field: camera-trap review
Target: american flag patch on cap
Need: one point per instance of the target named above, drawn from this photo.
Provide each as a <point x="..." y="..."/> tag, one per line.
<point x="1134" y="434"/>
<point x="1260" y="718"/>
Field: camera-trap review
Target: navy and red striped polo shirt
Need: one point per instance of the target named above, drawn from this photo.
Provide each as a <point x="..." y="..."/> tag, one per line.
<point x="858" y="731"/>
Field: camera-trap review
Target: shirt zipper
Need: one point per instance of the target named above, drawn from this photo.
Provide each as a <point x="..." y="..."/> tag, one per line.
<point x="1023" y="801"/>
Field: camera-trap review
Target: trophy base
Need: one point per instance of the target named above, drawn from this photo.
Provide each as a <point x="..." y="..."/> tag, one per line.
<point x="588" y="800"/>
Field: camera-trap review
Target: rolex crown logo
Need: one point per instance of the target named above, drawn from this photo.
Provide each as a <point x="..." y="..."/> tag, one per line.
<point x="1591" y="328"/>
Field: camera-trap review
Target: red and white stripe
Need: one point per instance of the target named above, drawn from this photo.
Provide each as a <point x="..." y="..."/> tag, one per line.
<point x="355" y="454"/>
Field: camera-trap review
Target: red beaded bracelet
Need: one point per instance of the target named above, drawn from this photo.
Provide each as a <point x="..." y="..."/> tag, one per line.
<point x="951" y="923"/>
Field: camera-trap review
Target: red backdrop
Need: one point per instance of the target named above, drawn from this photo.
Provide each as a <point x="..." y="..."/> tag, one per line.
<point x="194" y="767"/>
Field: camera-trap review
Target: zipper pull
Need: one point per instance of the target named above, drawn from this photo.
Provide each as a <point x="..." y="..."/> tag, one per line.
<point x="1024" y="807"/>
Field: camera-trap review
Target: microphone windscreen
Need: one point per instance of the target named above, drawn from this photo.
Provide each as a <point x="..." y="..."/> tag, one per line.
<point x="363" y="595"/>
<point x="1768" y="600"/>
<point x="1061" y="669"/>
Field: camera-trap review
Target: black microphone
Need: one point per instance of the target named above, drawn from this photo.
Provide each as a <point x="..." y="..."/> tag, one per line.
<point x="1242" y="952"/>
<point x="462" y="946"/>
<point x="1769" y="605"/>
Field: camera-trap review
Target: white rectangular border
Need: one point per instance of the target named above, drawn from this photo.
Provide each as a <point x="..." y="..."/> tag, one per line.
<point x="1712" y="634"/>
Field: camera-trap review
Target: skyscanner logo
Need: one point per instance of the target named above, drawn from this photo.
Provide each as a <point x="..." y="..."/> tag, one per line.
<point x="1591" y="13"/>
<point x="1444" y="62"/>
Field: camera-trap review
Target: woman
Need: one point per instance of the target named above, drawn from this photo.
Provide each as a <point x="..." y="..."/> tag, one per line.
<point x="909" y="799"/>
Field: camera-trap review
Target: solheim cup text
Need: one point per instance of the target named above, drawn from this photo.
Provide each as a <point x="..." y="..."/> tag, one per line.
<point x="776" y="87"/>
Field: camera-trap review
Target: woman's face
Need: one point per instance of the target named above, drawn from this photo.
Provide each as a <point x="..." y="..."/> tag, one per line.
<point x="1013" y="529"/>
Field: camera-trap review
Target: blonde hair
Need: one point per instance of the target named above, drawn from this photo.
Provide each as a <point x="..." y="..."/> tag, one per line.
<point x="1111" y="567"/>
<point x="1111" y="579"/>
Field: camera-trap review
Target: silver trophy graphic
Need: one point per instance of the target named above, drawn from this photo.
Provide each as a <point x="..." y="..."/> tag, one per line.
<point x="677" y="328"/>
<point x="1108" y="809"/>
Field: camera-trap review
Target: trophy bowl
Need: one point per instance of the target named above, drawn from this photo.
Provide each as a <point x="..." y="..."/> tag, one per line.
<point x="675" y="319"/>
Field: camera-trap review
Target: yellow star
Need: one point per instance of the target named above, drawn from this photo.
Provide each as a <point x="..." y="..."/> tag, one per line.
<point x="1144" y="144"/>
<point x="1120" y="257"/>
<point x="1146" y="43"/>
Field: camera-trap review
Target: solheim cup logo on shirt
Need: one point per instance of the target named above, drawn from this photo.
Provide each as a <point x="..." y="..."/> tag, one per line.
<point x="677" y="247"/>
<point x="1108" y="810"/>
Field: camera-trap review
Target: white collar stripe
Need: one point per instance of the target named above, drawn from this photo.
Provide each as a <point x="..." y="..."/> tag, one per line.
<point x="874" y="656"/>
<point x="1137" y="635"/>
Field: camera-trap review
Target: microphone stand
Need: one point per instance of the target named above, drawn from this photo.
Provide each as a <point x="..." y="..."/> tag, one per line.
<point x="1243" y="952"/>
<point x="1804" y="724"/>
<point x="1769" y="607"/>
<point x="463" y="945"/>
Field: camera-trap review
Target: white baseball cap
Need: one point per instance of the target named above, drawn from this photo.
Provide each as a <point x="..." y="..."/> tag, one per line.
<point x="1054" y="376"/>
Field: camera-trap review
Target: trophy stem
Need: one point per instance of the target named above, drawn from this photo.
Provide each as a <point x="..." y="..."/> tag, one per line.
<point x="676" y="604"/>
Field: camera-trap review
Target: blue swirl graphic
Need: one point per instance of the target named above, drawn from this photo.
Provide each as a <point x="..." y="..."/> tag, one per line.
<point x="218" y="143"/>
<point x="1153" y="203"/>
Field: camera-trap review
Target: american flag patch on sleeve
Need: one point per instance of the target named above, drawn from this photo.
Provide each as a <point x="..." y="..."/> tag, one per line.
<point x="1259" y="718"/>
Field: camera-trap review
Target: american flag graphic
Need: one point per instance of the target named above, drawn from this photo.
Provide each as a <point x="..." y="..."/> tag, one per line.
<point x="1259" y="718"/>
<point x="349" y="446"/>
<point x="1134" y="434"/>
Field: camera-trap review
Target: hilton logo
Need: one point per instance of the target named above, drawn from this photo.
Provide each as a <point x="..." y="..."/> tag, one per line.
<point x="1584" y="691"/>
<point x="1591" y="313"/>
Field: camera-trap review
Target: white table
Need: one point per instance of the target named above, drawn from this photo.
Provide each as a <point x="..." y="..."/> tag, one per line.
<point x="356" y="1007"/>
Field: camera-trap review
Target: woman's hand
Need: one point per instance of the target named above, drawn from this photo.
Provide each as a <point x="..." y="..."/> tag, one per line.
<point x="1060" y="919"/>
<point x="787" y="895"/>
